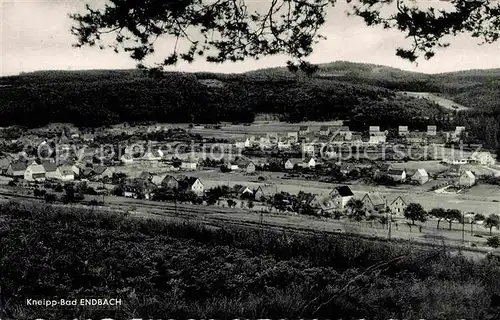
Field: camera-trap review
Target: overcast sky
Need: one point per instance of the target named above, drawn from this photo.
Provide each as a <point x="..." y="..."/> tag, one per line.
<point x="35" y="36"/>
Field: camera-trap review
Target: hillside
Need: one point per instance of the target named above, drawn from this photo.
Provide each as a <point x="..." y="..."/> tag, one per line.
<point x="478" y="89"/>
<point x="102" y="97"/>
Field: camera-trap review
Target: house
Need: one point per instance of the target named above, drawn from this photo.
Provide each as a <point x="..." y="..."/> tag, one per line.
<point x="153" y="155"/>
<point x="467" y="179"/>
<point x="431" y="130"/>
<point x="398" y="175"/>
<point x="35" y="172"/>
<point x="311" y="163"/>
<point x="265" y="191"/>
<point x="50" y="170"/>
<point x="146" y="176"/>
<point x="344" y="130"/>
<point x="291" y="163"/>
<point x="232" y="166"/>
<point x="88" y="137"/>
<point x="5" y="162"/>
<point x="377" y="138"/>
<point x="421" y="176"/>
<point x="340" y="196"/>
<point x="398" y="205"/>
<point x="293" y="136"/>
<point x="323" y="204"/>
<point x="455" y="135"/>
<point x="101" y="172"/>
<point x="284" y="145"/>
<point x="455" y="170"/>
<point x="403" y="130"/>
<point x="374" y="129"/>
<point x="483" y="158"/>
<point x="324" y="131"/>
<point x="356" y="139"/>
<point x="65" y="173"/>
<point x="247" y="165"/>
<point x="303" y="130"/>
<point x="191" y="184"/>
<point x="169" y="182"/>
<point x="415" y="137"/>
<point x="307" y="148"/>
<point x="373" y="201"/>
<point x="244" y="191"/>
<point x="126" y="159"/>
<point x="189" y="165"/>
<point x="131" y="192"/>
<point x="16" y="169"/>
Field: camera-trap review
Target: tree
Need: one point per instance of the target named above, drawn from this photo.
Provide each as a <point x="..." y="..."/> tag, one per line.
<point x="250" y="204"/>
<point x="453" y="215"/>
<point x="229" y="31"/>
<point x="493" y="220"/>
<point x="231" y="203"/>
<point x="415" y="212"/>
<point x="49" y="197"/>
<point x="439" y="214"/>
<point x="493" y="241"/>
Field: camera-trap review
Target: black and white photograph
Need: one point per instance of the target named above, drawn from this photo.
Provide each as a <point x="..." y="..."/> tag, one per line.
<point x="249" y="159"/>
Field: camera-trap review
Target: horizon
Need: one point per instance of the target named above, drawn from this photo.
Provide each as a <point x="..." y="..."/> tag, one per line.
<point x="30" y="43"/>
<point x="247" y="71"/>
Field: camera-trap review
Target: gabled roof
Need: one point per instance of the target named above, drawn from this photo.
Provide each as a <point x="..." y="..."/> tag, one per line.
<point x="37" y="168"/>
<point x="455" y="168"/>
<point x="66" y="170"/>
<point x="99" y="169"/>
<point x="303" y="128"/>
<point x="187" y="182"/>
<point x="50" y="166"/>
<point x="323" y="128"/>
<point x="267" y="189"/>
<point x="343" y="191"/>
<point x="375" y="198"/>
<point x="295" y="161"/>
<point x="469" y="174"/>
<point x="18" y="166"/>
<point x="395" y="172"/>
<point x="404" y="199"/>
<point x="422" y="172"/>
<point x="242" y="189"/>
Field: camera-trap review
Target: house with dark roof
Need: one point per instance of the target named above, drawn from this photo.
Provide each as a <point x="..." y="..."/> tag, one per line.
<point x="398" y="175"/>
<point x="101" y="172"/>
<point x="265" y="191"/>
<point x="16" y="169"/>
<point x="303" y="130"/>
<point x="324" y="131"/>
<point x="50" y="170"/>
<point x="398" y="205"/>
<point x="341" y="195"/>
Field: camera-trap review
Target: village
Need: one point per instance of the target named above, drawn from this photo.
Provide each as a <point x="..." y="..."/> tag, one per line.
<point x="288" y="171"/>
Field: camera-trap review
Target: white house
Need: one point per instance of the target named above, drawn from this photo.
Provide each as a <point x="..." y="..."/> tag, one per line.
<point x="65" y="173"/>
<point x="50" y="170"/>
<point x="341" y="196"/>
<point x="403" y="130"/>
<point x="431" y="130"/>
<point x="189" y="165"/>
<point x="307" y="148"/>
<point x="398" y="206"/>
<point x="374" y="129"/>
<point x="483" y="158"/>
<point x="294" y="136"/>
<point x="291" y="163"/>
<point x="16" y="169"/>
<point x="377" y="138"/>
<point x="467" y="179"/>
<point x="421" y="176"/>
<point x="311" y="163"/>
<point x="324" y="131"/>
<point x="192" y="184"/>
<point x="35" y="172"/>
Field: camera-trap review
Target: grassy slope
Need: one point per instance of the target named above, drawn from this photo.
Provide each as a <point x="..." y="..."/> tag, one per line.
<point x="184" y="270"/>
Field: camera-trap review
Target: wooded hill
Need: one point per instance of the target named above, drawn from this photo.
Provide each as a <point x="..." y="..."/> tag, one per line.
<point x="366" y="94"/>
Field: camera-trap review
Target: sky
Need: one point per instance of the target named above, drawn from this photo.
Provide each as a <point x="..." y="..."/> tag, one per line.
<point x="35" y="35"/>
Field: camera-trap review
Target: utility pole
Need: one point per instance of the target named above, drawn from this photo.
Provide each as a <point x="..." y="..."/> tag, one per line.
<point x="463" y="227"/>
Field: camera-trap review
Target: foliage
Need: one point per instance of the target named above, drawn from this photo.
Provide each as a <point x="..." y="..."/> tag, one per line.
<point x="415" y="212"/>
<point x="227" y="30"/>
<point x="439" y="214"/>
<point x="493" y="241"/>
<point x="184" y="270"/>
<point x="452" y="215"/>
<point x="493" y="220"/>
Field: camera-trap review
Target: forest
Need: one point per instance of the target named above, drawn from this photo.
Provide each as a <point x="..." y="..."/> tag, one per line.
<point x="364" y="94"/>
<point x="181" y="269"/>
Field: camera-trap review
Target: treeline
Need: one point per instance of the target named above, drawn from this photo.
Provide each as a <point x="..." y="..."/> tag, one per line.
<point x="97" y="98"/>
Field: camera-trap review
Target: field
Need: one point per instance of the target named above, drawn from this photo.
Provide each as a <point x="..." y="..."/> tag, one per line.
<point x="184" y="270"/>
<point x="445" y="103"/>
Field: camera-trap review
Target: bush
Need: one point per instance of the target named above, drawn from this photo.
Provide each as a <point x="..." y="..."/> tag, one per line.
<point x="493" y="242"/>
